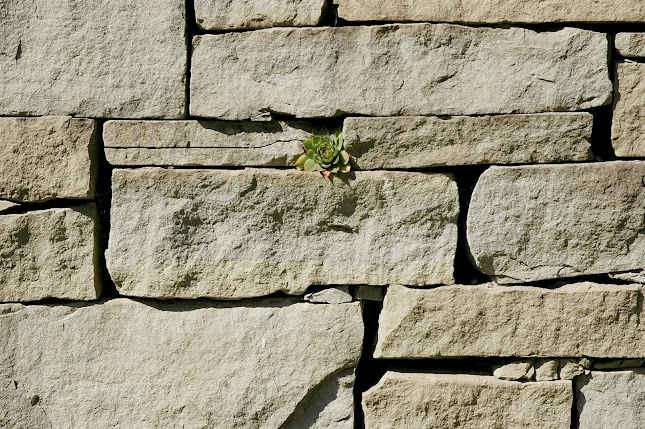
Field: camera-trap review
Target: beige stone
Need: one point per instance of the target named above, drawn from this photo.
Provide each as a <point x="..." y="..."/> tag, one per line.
<point x="397" y="70"/>
<point x="630" y="44"/>
<point x="571" y="368"/>
<point x="93" y="58"/>
<point x="123" y="363"/>
<point x="6" y="205"/>
<point x="243" y="233"/>
<point x="49" y="254"/>
<point x="553" y="221"/>
<point x="628" y="125"/>
<point x="419" y="141"/>
<point x="333" y="295"/>
<point x="546" y="369"/>
<point x="618" y="363"/>
<point x="581" y="319"/>
<point x="446" y="401"/>
<point x="518" y="370"/>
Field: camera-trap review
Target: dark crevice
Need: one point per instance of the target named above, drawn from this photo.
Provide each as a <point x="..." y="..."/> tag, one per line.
<point x="601" y="144"/>
<point x="192" y="29"/>
<point x="26" y="207"/>
<point x="330" y="15"/>
<point x="556" y="283"/>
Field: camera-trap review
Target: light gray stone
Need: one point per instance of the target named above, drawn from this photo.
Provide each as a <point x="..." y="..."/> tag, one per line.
<point x="446" y="401"/>
<point x="332" y="295"/>
<point x="571" y="368"/>
<point x="518" y="370"/>
<point x="242" y="233"/>
<point x="93" y="58"/>
<point x="205" y="143"/>
<point x="49" y="254"/>
<point x="630" y="44"/>
<point x="546" y="369"/>
<point x="611" y="399"/>
<point x="630" y="276"/>
<point x="618" y="363"/>
<point x="46" y="158"/>
<point x="400" y="69"/>
<point x="190" y="364"/>
<point x="581" y="319"/>
<point x="6" y="205"/>
<point x="628" y="125"/>
<point x="420" y="141"/>
<point x="369" y="293"/>
<point x="239" y="14"/>
<point x="554" y="221"/>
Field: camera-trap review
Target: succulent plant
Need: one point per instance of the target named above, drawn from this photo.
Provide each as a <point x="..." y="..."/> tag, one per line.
<point x="325" y="152"/>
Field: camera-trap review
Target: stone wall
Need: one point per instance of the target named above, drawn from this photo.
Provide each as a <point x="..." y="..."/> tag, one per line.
<point x="163" y="264"/>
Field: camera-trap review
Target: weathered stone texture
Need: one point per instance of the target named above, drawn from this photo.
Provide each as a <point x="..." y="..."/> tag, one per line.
<point x="194" y="365"/>
<point x="443" y="401"/>
<point x="252" y="232"/>
<point x="551" y="221"/>
<point x="205" y="143"/>
<point x="6" y="205"/>
<point x="49" y="254"/>
<point x="493" y="11"/>
<point x="630" y="44"/>
<point x="46" y="158"/>
<point x="582" y="319"/>
<point x="407" y="69"/>
<point x="238" y="14"/>
<point x="628" y="125"/>
<point x="93" y="58"/>
<point x="611" y="399"/>
<point x="546" y="369"/>
<point x="519" y="370"/>
<point x="418" y="141"/>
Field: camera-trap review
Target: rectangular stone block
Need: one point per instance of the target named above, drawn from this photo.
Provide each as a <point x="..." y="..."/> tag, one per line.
<point x="422" y="141"/>
<point x="46" y="158"/>
<point x="447" y="401"/>
<point x="49" y="254"/>
<point x="630" y="44"/>
<point x="205" y="143"/>
<point x="242" y="233"/>
<point x="553" y="221"/>
<point x="580" y="319"/>
<point x="397" y="70"/>
<point x="93" y="58"/>
<point x="628" y="125"/>
<point x="123" y="363"/>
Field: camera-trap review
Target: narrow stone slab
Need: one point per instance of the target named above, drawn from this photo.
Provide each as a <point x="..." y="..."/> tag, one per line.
<point x="193" y="365"/>
<point x="46" y="158"/>
<point x="396" y="70"/>
<point x="552" y="221"/>
<point x="421" y="141"/>
<point x="446" y="401"/>
<point x="581" y="319"/>
<point x="630" y="44"/>
<point x="493" y="11"/>
<point x="205" y="143"/>
<point x="611" y="399"/>
<point x="242" y="233"/>
<point x="94" y="58"/>
<point x="239" y="14"/>
<point x="49" y="254"/>
<point x="6" y="205"/>
<point x="628" y="125"/>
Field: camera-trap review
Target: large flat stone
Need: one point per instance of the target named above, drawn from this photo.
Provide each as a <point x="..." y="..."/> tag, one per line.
<point x="581" y="319"/>
<point x="205" y="143"/>
<point x="447" y="401"/>
<point x="630" y="44"/>
<point x="421" y="141"/>
<point x="93" y="58"/>
<point x="401" y="69"/>
<point x="628" y="125"/>
<point x="46" y="158"/>
<point x="49" y="254"/>
<point x="193" y="365"/>
<point x="241" y="233"/>
<point x="551" y="221"/>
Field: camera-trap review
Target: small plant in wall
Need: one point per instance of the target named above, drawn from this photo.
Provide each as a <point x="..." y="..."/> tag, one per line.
<point x="325" y="152"/>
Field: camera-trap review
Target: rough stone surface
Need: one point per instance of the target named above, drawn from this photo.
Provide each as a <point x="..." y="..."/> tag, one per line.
<point x="46" y="158"/>
<point x="546" y="369"/>
<point x="93" y="58"/>
<point x="628" y="125"/>
<point x="554" y="221"/>
<point x="519" y="370"/>
<point x="632" y="276"/>
<point x="582" y="319"/>
<point x="400" y="69"/>
<point x="238" y="14"/>
<point x="443" y="401"/>
<point x="611" y="399"/>
<point x="493" y="11"/>
<point x="618" y="363"/>
<point x="333" y="295"/>
<point x="418" y="141"/>
<point x="630" y="44"/>
<point x="49" y="254"/>
<point x="6" y="205"/>
<point x="193" y="365"/>
<point x="571" y="368"/>
<point x="252" y="232"/>
<point x="205" y="143"/>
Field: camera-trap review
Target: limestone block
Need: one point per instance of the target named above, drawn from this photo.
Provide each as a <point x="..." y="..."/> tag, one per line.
<point x="581" y="319"/>
<point x="123" y="363"/>
<point x="630" y="44"/>
<point x="628" y="126"/>
<point x="618" y="363"/>
<point x="205" y="143"/>
<point x="93" y="58"/>
<point x="546" y="369"/>
<point x="241" y="233"/>
<point x="332" y="295"/>
<point x="553" y="221"/>
<point x="397" y="70"/>
<point x="518" y="370"/>
<point x="571" y="368"/>
<point x="421" y="141"/>
<point x="446" y="401"/>
<point x="6" y="205"/>
<point x="49" y="254"/>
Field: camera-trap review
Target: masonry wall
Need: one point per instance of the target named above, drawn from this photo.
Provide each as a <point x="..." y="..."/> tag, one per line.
<point x="163" y="264"/>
